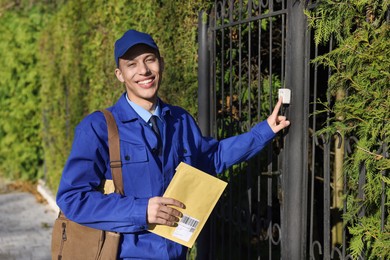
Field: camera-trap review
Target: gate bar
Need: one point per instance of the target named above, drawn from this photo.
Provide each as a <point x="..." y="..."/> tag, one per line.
<point x="203" y="75"/>
<point x="294" y="178"/>
<point x="203" y="241"/>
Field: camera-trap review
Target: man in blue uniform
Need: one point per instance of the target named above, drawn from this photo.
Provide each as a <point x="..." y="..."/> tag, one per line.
<point x="149" y="159"/>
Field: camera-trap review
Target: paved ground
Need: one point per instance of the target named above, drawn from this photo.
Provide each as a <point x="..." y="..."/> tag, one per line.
<point x="26" y="222"/>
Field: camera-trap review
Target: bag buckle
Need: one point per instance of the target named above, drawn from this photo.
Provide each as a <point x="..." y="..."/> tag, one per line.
<point x="116" y="164"/>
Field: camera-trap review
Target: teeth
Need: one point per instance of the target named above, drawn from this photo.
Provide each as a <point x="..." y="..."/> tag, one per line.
<point x="145" y="81"/>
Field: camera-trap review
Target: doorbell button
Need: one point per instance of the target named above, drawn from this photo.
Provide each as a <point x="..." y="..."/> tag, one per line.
<point x="285" y="94"/>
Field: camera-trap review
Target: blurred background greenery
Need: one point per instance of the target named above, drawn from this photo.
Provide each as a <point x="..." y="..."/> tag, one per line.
<point x="58" y="65"/>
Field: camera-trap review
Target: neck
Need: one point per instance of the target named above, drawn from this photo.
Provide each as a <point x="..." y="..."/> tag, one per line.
<point x="149" y="105"/>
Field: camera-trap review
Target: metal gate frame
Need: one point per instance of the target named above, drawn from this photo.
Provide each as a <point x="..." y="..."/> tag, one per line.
<point x="303" y="168"/>
<point x="294" y="156"/>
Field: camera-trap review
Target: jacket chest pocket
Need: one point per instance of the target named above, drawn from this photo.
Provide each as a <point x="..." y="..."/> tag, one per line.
<point x="184" y="153"/>
<point x="135" y="169"/>
<point x="132" y="153"/>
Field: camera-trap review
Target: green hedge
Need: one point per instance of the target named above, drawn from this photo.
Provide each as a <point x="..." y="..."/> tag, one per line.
<point x="21" y="151"/>
<point x="360" y="65"/>
<point x="58" y="66"/>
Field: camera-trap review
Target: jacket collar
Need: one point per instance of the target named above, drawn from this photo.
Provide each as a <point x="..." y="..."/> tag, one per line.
<point x="126" y="113"/>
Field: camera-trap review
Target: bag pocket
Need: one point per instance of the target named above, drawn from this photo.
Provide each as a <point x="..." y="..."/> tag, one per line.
<point x="110" y="246"/>
<point x="72" y="241"/>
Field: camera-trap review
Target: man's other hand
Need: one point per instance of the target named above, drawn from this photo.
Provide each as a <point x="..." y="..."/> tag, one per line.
<point x="275" y="121"/>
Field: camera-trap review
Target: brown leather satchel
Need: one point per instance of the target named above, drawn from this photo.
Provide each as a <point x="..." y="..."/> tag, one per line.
<point x="72" y="241"/>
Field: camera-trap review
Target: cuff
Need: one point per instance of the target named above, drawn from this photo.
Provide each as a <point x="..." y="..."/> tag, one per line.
<point x="263" y="131"/>
<point x="139" y="211"/>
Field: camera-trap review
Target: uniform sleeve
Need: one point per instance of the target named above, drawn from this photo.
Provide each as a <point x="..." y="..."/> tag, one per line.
<point x="227" y="152"/>
<point x="78" y="197"/>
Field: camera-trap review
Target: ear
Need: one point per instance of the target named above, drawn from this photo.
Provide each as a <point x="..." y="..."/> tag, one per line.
<point x="118" y="74"/>
<point x="162" y="64"/>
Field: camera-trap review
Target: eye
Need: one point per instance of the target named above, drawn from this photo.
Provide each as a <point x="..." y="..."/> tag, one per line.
<point x="150" y="59"/>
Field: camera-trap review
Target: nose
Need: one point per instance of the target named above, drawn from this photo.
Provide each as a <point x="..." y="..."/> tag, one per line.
<point x="143" y="69"/>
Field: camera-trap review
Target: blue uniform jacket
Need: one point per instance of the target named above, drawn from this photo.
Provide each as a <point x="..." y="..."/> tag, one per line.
<point x="143" y="178"/>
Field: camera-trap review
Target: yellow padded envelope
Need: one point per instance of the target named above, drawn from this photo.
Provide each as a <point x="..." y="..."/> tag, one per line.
<point x="199" y="192"/>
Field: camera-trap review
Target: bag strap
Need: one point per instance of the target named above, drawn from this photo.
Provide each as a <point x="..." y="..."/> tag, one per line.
<point x="114" y="148"/>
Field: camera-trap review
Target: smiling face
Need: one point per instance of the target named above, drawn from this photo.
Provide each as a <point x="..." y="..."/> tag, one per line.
<point x="140" y="70"/>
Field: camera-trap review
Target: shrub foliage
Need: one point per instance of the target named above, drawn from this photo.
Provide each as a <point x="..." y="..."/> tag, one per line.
<point x="58" y="65"/>
<point x="360" y="67"/>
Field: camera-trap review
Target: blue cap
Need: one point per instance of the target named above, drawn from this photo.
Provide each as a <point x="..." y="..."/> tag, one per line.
<point x="128" y="40"/>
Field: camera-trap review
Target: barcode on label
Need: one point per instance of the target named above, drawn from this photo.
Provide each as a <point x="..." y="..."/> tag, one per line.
<point x="193" y="223"/>
<point x="185" y="228"/>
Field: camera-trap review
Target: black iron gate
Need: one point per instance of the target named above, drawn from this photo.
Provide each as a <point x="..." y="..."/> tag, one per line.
<point x="253" y="49"/>
<point x="279" y="205"/>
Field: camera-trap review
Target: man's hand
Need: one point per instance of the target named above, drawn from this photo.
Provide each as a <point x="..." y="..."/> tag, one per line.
<point x="275" y="121"/>
<point x="159" y="211"/>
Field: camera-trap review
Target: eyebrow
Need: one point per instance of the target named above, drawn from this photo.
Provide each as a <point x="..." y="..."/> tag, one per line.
<point x="148" y="55"/>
